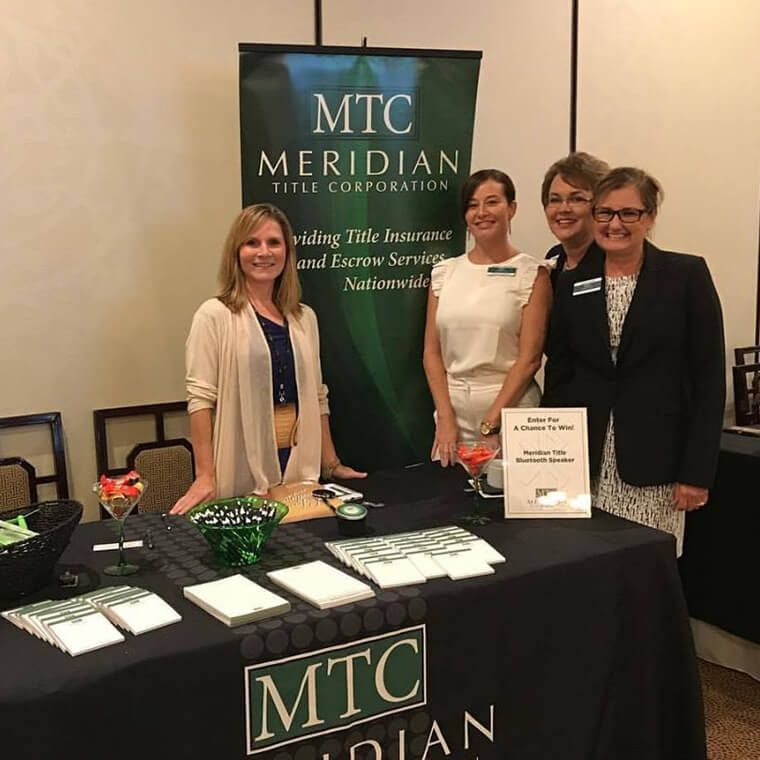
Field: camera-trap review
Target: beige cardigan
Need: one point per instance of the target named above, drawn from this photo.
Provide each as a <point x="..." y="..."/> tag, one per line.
<point x="229" y="371"/>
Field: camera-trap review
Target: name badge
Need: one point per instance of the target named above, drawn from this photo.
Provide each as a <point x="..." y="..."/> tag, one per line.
<point x="502" y="271"/>
<point x="587" y="286"/>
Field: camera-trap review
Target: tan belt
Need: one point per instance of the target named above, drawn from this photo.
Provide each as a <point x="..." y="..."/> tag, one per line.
<point x="285" y="425"/>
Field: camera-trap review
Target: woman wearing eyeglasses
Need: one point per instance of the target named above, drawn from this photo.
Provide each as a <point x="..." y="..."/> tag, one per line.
<point x="566" y="195"/>
<point x="637" y="338"/>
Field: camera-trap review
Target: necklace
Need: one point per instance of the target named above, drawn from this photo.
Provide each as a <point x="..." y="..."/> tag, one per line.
<point x="278" y="360"/>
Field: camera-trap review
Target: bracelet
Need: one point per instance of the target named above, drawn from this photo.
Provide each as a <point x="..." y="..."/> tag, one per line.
<point x="328" y="470"/>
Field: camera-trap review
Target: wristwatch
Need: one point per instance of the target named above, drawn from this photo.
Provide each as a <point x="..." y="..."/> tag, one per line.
<point x="488" y="429"/>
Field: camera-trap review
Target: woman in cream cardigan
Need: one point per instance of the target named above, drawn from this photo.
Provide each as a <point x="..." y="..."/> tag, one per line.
<point x="258" y="408"/>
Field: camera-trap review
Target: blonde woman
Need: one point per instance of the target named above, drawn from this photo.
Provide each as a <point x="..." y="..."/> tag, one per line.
<point x="258" y="407"/>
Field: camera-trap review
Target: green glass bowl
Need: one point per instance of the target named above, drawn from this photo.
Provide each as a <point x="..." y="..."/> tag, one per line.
<point x="237" y="544"/>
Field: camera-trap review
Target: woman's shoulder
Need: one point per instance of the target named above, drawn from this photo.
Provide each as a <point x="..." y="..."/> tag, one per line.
<point x="676" y="261"/>
<point x="526" y="261"/>
<point x="444" y="265"/>
<point x="212" y="307"/>
<point x="304" y="315"/>
<point x="442" y="270"/>
<point x="304" y="311"/>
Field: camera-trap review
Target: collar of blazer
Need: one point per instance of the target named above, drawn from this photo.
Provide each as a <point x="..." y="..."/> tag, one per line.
<point x="590" y="309"/>
<point x="644" y="301"/>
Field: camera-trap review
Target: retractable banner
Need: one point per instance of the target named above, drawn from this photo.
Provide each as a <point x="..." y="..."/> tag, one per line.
<point x="365" y="150"/>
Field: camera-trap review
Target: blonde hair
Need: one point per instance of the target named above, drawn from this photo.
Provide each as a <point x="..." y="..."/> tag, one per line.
<point x="232" y="290"/>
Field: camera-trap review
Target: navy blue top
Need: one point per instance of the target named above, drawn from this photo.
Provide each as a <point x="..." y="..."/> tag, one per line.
<point x="284" y="388"/>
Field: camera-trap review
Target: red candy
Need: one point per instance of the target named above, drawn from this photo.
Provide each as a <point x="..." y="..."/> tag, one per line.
<point x="474" y="457"/>
<point x="121" y="491"/>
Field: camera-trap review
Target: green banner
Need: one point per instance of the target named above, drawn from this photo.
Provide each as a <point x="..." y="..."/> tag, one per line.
<point x="365" y="151"/>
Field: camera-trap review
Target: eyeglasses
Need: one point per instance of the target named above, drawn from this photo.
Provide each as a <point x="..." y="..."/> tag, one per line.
<point x="626" y="215"/>
<point x="575" y="201"/>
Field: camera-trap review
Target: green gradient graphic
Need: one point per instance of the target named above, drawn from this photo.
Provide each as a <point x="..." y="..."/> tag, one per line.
<point x="352" y="143"/>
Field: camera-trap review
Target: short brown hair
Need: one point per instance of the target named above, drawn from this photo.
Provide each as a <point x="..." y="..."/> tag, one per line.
<point x="232" y="290"/>
<point x="474" y="181"/>
<point x="578" y="169"/>
<point x="649" y="188"/>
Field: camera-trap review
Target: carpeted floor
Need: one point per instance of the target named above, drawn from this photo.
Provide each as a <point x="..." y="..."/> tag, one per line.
<point x="732" y="713"/>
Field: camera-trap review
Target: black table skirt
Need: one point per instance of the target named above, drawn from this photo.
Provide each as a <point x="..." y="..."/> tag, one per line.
<point x="577" y="648"/>
<point x="719" y="566"/>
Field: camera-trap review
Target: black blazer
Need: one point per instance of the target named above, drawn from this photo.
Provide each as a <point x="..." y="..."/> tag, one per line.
<point x="668" y="388"/>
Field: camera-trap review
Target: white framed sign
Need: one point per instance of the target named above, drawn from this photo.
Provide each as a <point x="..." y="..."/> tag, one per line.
<point x="546" y="469"/>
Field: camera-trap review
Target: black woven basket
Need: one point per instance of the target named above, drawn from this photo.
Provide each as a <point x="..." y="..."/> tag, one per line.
<point x="27" y="566"/>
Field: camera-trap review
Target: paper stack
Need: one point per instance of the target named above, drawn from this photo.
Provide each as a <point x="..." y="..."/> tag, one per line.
<point x="72" y="625"/>
<point x="85" y="623"/>
<point x="321" y="585"/>
<point x="133" y="609"/>
<point x="405" y="558"/>
<point x="236" y="600"/>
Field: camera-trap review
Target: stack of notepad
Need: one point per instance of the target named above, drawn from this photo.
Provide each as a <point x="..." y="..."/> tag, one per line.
<point x="73" y="625"/>
<point x="321" y="585"/>
<point x="133" y="609"/>
<point x="407" y="558"/>
<point x="236" y="600"/>
<point x="85" y="623"/>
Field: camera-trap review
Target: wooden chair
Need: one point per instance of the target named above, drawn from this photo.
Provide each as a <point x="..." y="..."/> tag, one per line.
<point x="740" y="355"/>
<point x="747" y="394"/>
<point x="166" y="463"/>
<point x="19" y="479"/>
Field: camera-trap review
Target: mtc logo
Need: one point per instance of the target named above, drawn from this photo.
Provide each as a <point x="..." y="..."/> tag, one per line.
<point x="330" y="689"/>
<point x="363" y="113"/>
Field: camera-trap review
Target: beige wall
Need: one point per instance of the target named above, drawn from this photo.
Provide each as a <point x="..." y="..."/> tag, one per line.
<point x="120" y="174"/>
<point x="674" y="87"/>
<point x="120" y="158"/>
<point x="522" y="120"/>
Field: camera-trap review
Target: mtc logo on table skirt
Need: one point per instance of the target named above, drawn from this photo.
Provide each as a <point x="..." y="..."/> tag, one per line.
<point x="327" y="690"/>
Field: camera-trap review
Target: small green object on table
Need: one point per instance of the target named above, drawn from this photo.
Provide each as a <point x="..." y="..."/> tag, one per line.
<point x="237" y="528"/>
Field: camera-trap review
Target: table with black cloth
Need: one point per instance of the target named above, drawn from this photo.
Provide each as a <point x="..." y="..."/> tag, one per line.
<point x="720" y="563"/>
<point x="577" y="648"/>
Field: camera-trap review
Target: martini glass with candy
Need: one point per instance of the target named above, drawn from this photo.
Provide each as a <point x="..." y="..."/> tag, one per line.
<point x="119" y="496"/>
<point x="474" y="456"/>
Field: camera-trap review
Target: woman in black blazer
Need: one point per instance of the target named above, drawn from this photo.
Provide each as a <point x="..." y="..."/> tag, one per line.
<point x="637" y="338"/>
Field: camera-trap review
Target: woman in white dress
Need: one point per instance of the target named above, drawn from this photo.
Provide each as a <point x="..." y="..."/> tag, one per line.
<point x="486" y="321"/>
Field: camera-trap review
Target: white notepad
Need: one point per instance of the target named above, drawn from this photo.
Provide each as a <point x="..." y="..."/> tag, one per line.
<point x="142" y="614"/>
<point x="424" y="561"/>
<point x="321" y="585"/>
<point x="396" y="570"/>
<point x="461" y="565"/>
<point x="236" y="600"/>
<point x="86" y="633"/>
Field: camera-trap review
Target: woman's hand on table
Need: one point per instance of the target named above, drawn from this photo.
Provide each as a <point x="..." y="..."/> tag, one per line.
<point x="344" y="472"/>
<point x="202" y="489"/>
<point x="445" y="441"/>
<point x="688" y="497"/>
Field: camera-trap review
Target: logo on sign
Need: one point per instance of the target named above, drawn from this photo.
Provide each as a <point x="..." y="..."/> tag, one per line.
<point x="330" y="689"/>
<point x="363" y="113"/>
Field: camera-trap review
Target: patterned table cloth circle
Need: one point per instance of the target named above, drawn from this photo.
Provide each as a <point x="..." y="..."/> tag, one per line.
<point x="350" y="625"/>
<point x="327" y="631"/>
<point x="252" y="647"/>
<point x="277" y="642"/>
